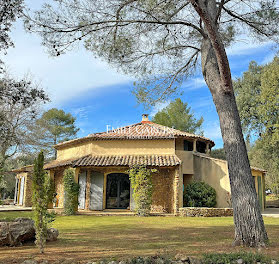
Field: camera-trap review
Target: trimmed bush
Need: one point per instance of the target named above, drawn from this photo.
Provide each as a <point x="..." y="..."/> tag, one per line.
<point x="71" y="191"/>
<point x="199" y="194"/>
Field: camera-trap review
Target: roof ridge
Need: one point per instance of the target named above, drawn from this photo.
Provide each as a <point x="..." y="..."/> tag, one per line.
<point x="100" y="133"/>
<point x="141" y="130"/>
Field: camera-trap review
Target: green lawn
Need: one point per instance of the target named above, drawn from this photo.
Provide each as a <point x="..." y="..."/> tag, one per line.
<point x="94" y="237"/>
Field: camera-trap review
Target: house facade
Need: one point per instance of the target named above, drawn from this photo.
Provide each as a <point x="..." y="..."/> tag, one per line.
<point x="101" y="162"/>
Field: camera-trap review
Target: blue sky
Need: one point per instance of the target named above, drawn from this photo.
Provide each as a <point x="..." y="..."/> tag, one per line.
<point x="97" y="95"/>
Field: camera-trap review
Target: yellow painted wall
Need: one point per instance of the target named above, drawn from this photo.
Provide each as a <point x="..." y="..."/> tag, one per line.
<point x="187" y="161"/>
<point x="117" y="147"/>
<point x="185" y="156"/>
<point x="215" y="173"/>
<point x="179" y="144"/>
<point x="262" y="190"/>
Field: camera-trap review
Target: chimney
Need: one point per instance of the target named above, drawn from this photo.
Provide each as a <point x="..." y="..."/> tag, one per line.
<point x="145" y="118"/>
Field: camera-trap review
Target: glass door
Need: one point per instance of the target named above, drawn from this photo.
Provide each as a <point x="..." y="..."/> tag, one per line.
<point x="118" y="191"/>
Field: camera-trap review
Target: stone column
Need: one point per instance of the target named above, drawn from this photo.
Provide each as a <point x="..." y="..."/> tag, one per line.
<point x="195" y="145"/>
<point x="51" y="176"/>
<point x="16" y="190"/>
<point x="178" y="190"/>
<point x="27" y="199"/>
<point x="207" y="150"/>
<point x="87" y="192"/>
<point x="77" y="170"/>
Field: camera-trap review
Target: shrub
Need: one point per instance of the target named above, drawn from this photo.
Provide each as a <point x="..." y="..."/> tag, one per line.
<point x="248" y="258"/>
<point x="199" y="194"/>
<point x="141" y="182"/>
<point x="71" y="190"/>
<point x="40" y="201"/>
<point x="50" y="190"/>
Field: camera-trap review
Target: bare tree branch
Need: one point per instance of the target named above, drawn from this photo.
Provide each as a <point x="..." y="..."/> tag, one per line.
<point x="174" y="77"/>
<point x="247" y="22"/>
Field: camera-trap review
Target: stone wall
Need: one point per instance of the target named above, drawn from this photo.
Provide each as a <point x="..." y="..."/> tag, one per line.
<point x="205" y="212"/>
<point x="59" y="187"/>
<point x="163" y="183"/>
<point x="87" y="190"/>
<point x="177" y="190"/>
<point x="162" y="198"/>
<point x="27" y="200"/>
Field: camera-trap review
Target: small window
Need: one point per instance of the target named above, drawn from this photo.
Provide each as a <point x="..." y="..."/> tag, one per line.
<point x="188" y="145"/>
<point x="201" y="147"/>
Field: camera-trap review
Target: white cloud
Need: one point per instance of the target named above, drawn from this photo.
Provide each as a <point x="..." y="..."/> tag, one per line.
<point x="158" y="107"/>
<point x="194" y="84"/>
<point x="212" y="130"/>
<point x="245" y="46"/>
<point x="203" y="102"/>
<point x="82" y="112"/>
<point x="268" y="58"/>
<point x="63" y="77"/>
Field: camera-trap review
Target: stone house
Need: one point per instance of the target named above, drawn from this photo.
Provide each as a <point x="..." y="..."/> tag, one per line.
<point x="101" y="161"/>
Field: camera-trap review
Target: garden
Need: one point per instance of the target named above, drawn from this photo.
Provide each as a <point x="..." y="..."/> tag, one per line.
<point x="94" y="238"/>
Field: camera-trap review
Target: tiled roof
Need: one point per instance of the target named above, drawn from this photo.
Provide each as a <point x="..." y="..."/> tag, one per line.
<point x="59" y="163"/>
<point x="117" y="160"/>
<point x="258" y="169"/>
<point x="128" y="160"/>
<point x="28" y="168"/>
<point x="144" y="130"/>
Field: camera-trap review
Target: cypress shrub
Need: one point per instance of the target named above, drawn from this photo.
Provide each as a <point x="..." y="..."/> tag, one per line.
<point x="40" y="200"/>
<point x="71" y="191"/>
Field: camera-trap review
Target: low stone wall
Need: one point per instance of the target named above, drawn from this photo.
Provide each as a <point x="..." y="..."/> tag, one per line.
<point x="205" y="212"/>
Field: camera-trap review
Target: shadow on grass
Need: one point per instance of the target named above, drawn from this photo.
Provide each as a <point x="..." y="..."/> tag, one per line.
<point x="112" y="240"/>
<point x="92" y="238"/>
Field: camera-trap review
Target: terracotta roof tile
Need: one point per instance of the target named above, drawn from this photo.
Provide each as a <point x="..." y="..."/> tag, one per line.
<point x="116" y="160"/>
<point x="127" y="160"/>
<point x="59" y="163"/>
<point x="28" y="168"/>
<point x="143" y="130"/>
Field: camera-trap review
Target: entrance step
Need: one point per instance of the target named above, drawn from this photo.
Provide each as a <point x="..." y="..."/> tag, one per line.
<point x="116" y="212"/>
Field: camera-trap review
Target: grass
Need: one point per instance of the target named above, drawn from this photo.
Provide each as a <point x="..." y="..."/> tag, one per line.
<point x="86" y="238"/>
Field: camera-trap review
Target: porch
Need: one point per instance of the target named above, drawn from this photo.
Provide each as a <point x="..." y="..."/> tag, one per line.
<point x="108" y="212"/>
<point x="107" y="190"/>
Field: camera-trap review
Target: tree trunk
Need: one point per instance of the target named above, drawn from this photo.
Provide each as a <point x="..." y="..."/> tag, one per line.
<point x="55" y="151"/>
<point x="249" y="225"/>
